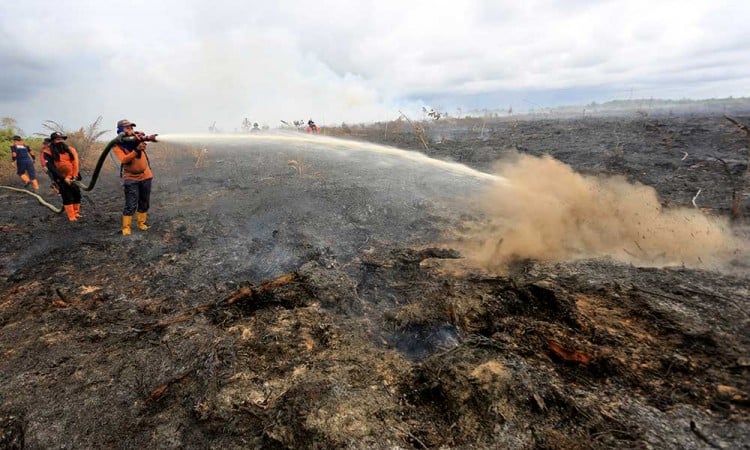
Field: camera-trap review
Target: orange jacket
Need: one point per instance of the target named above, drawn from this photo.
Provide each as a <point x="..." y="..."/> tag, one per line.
<point x="133" y="168"/>
<point x="44" y="154"/>
<point x="66" y="167"/>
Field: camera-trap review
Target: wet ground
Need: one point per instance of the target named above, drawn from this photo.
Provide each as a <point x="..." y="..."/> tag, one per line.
<point x="298" y="296"/>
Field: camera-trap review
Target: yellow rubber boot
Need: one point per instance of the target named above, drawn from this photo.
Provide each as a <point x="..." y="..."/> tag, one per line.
<point x="77" y="209"/>
<point x="126" y="221"/>
<point x="35" y="184"/>
<point x="71" y="212"/>
<point x="25" y="178"/>
<point x="140" y="219"/>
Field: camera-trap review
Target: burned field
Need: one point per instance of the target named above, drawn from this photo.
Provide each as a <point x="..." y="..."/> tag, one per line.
<point x="287" y="299"/>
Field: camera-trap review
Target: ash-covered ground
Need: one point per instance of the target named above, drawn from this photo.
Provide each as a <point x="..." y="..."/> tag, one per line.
<point x="300" y="295"/>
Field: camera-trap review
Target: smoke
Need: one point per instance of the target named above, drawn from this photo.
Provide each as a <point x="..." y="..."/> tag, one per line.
<point x="549" y="212"/>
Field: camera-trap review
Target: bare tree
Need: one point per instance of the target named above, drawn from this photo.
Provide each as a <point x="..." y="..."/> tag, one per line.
<point x="738" y="187"/>
<point x="83" y="140"/>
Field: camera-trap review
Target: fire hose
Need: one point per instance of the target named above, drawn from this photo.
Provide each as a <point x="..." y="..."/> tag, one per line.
<point x="84" y="187"/>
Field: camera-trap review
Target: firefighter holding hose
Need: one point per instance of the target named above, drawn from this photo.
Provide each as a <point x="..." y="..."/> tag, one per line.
<point x="23" y="158"/>
<point x="135" y="171"/>
<point x="63" y="164"/>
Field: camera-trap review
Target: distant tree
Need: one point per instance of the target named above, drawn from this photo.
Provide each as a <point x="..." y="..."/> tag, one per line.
<point x="246" y="125"/>
<point x="432" y="113"/>
<point x="10" y="125"/>
<point x="8" y="128"/>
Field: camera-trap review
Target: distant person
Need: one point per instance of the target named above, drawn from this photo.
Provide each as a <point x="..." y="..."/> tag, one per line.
<point x="23" y="158"/>
<point x="255" y="128"/>
<point x="311" y="127"/>
<point x="63" y="164"/>
<point x="43" y="157"/>
<point x="135" y="171"/>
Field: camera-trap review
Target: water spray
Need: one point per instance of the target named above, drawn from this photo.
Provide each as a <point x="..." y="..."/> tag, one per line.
<point x="417" y="157"/>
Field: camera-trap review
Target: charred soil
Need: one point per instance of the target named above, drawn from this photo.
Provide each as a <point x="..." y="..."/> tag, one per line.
<point x="274" y="307"/>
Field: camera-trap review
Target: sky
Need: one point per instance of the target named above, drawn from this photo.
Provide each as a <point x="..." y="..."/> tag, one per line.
<point x="185" y="65"/>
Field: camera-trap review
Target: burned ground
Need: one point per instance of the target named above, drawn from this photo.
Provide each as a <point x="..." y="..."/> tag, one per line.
<point x="308" y="305"/>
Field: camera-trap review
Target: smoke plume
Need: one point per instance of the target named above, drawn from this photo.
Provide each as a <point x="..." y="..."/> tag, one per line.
<point x="549" y="212"/>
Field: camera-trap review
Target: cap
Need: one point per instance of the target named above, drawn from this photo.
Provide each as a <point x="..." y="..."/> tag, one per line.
<point x="16" y="138"/>
<point x="56" y="135"/>
<point x="124" y="123"/>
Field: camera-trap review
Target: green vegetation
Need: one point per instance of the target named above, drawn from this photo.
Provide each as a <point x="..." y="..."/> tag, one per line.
<point x="85" y="139"/>
<point x="7" y="131"/>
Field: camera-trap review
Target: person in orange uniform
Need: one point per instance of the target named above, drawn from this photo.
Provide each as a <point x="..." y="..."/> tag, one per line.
<point x="135" y="172"/>
<point x="23" y="158"/>
<point x="63" y="165"/>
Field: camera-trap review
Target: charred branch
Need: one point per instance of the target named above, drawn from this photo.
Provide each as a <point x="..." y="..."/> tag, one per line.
<point x="418" y="129"/>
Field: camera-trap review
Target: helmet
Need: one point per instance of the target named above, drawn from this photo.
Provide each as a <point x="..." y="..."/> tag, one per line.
<point x="125" y="123"/>
<point x="122" y="124"/>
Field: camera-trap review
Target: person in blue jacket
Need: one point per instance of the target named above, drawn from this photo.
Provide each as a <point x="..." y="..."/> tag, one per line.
<point x="23" y="158"/>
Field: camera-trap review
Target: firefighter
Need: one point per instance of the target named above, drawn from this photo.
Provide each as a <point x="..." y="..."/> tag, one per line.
<point x="311" y="127"/>
<point x="23" y="158"/>
<point x="63" y="164"/>
<point x="135" y="172"/>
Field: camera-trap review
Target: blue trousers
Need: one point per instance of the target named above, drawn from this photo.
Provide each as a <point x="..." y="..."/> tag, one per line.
<point x="26" y="166"/>
<point x="137" y="196"/>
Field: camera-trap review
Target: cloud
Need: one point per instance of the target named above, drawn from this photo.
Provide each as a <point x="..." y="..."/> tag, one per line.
<point x="183" y="65"/>
<point x="21" y="74"/>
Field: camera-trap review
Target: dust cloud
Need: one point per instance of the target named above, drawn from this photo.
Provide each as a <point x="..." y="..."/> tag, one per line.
<point x="549" y="212"/>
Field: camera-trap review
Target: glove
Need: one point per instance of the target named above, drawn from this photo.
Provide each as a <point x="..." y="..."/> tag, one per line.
<point x="78" y="177"/>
